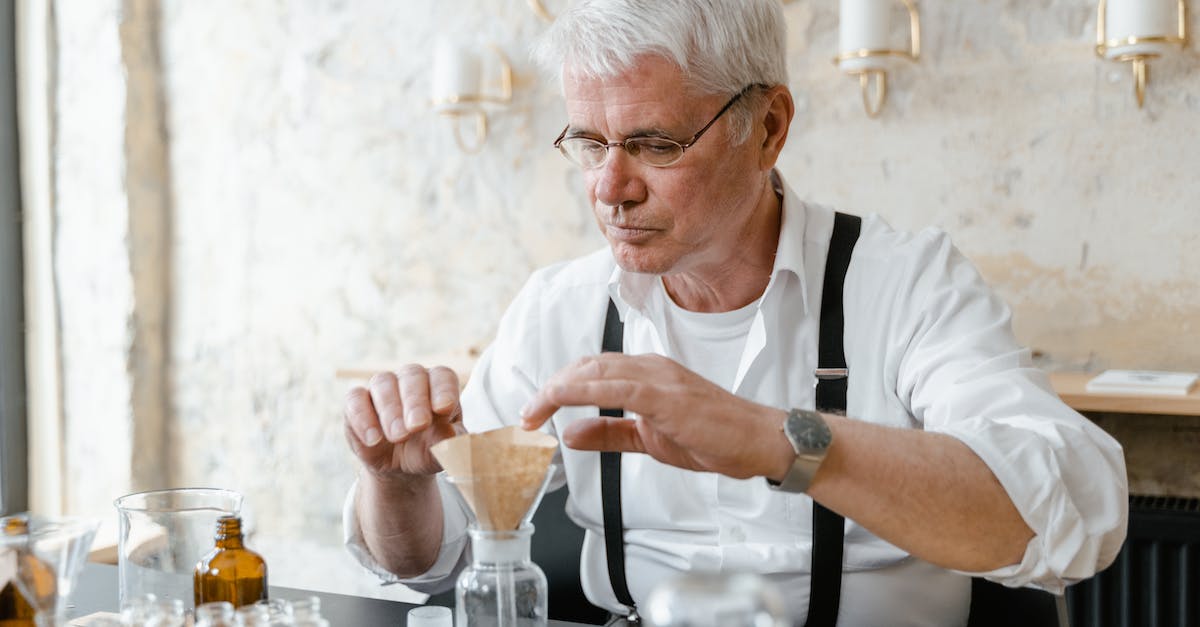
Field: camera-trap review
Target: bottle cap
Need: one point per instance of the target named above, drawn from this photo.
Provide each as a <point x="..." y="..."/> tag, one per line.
<point x="430" y="616"/>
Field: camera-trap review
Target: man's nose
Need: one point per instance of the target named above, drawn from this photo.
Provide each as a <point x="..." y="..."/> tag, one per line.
<point x="617" y="180"/>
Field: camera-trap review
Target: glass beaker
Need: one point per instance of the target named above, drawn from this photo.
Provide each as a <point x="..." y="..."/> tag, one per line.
<point x="162" y="534"/>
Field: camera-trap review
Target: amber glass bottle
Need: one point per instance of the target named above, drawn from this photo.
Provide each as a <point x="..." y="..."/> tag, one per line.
<point x="15" y="610"/>
<point x="231" y="572"/>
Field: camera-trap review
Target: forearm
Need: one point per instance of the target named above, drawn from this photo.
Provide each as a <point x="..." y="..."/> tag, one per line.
<point x="400" y="520"/>
<point x="927" y="493"/>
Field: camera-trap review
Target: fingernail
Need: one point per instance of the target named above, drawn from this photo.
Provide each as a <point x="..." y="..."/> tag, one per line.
<point x="397" y="429"/>
<point x="442" y="401"/>
<point x="526" y="410"/>
<point x="373" y="436"/>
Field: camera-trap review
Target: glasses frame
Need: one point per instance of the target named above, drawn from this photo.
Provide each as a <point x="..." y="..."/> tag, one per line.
<point x="624" y="144"/>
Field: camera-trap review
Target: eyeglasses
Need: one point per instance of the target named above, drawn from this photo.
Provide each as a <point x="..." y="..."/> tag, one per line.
<point x="660" y="152"/>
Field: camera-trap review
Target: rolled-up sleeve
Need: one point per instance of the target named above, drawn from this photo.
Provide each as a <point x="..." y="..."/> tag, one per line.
<point x="965" y="375"/>
<point x="451" y="559"/>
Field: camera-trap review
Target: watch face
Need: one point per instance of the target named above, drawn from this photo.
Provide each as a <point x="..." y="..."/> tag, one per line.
<point x="808" y="431"/>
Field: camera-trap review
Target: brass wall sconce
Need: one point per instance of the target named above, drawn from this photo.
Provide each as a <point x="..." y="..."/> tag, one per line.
<point x="460" y="92"/>
<point x="1136" y="31"/>
<point x="864" y="46"/>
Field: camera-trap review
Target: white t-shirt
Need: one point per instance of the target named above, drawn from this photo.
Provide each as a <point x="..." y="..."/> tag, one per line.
<point x="708" y="344"/>
<point x="928" y="345"/>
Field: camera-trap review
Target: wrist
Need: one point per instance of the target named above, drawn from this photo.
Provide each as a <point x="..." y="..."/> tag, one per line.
<point x="809" y="437"/>
<point x="780" y="453"/>
<point x="392" y="482"/>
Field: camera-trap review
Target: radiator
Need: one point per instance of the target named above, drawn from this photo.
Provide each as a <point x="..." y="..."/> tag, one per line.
<point x="1155" y="580"/>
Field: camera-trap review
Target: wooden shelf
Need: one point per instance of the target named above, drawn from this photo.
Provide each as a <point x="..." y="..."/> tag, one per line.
<point x="1071" y="387"/>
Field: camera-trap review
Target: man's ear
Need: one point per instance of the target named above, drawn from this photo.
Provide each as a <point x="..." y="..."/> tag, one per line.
<point x="775" y="121"/>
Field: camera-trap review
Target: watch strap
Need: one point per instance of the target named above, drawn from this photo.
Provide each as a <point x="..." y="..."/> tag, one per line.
<point x="804" y="465"/>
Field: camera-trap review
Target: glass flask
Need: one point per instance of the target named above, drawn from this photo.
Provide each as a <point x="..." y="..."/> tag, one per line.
<point x="230" y="572"/>
<point x="502" y="587"/>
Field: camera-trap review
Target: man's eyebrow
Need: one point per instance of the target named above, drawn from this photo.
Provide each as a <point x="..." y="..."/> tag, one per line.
<point x="574" y="131"/>
<point x="650" y="132"/>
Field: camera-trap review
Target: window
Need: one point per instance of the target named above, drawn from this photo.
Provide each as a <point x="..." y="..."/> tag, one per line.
<point x="13" y="447"/>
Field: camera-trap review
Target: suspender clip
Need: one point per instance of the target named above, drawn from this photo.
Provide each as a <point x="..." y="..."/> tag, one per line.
<point x="831" y="374"/>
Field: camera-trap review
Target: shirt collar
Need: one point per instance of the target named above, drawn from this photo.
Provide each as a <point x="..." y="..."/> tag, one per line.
<point x="631" y="289"/>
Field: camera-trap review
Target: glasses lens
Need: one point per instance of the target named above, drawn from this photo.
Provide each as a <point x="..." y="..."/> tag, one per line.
<point x="582" y="151"/>
<point x="655" y="151"/>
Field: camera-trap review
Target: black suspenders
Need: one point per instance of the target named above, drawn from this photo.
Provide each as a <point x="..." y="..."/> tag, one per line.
<point x="610" y="480"/>
<point x="825" y="587"/>
<point x="832" y="383"/>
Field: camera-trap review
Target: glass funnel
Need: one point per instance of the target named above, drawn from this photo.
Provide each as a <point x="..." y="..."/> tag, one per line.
<point x="501" y="587"/>
<point x="44" y="560"/>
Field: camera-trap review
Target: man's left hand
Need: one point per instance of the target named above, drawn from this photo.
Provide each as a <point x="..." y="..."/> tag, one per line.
<point x="682" y="419"/>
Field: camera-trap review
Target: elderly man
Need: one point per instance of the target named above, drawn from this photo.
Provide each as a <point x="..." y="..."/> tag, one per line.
<point x="727" y="292"/>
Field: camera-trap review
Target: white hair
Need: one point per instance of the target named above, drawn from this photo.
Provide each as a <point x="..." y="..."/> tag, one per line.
<point x="721" y="46"/>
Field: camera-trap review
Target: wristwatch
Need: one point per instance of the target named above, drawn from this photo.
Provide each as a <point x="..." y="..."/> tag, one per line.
<point x="810" y="436"/>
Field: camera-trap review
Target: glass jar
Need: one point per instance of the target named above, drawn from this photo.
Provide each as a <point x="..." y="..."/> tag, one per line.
<point x="502" y="587"/>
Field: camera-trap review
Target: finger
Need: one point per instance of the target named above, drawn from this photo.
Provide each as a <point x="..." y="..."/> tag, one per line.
<point x="443" y="388"/>
<point x="603" y="434"/>
<point x="385" y="394"/>
<point x="541" y="407"/>
<point x="647" y="366"/>
<point x="414" y="393"/>
<point x="614" y="380"/>
<point x="360" y="417"/>
<point x="607" y="394"/>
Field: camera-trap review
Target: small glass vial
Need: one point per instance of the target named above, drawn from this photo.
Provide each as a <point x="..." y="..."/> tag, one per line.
<point x="231" y="572"/>
<point x="217" y="614"/>
<point x="254" y="615"/>
<point x="280" y="611"/>
<point x="502" y="587"/>
<point x="168" y="613"/>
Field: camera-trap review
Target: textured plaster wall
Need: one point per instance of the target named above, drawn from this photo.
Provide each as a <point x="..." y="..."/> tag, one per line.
<point x="92" y="264"/>
<point x="1013" y="137"/>
<point x="320" y="215"/>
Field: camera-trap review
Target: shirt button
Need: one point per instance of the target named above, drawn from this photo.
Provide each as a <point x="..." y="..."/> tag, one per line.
<point x="737" y="534"/>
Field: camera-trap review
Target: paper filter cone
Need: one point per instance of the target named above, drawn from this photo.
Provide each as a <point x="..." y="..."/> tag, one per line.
<point x="499" y="473"/>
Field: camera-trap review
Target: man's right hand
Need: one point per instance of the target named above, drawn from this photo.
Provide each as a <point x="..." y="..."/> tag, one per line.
<point x="392" y="423"/>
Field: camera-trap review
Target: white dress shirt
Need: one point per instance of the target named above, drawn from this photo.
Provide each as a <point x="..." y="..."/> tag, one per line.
<point x="928" y="345"/>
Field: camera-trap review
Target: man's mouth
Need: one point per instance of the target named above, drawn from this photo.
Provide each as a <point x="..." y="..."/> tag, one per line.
<point x="629" y="232"/>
